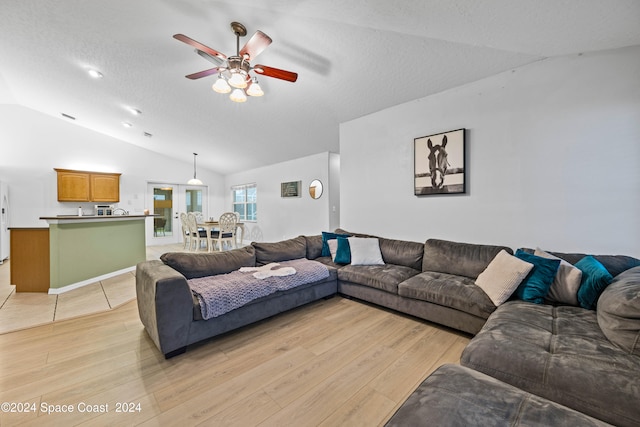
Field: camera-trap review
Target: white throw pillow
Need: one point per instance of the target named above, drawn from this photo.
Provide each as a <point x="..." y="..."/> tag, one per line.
<point x="564" y="288"/>
<point x="502" y="276"/>
<point x="333" y="248"/>
<point x="365" y="251"/>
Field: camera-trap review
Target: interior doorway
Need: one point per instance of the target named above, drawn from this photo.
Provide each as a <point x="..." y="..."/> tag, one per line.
<point x="167" y="201"/>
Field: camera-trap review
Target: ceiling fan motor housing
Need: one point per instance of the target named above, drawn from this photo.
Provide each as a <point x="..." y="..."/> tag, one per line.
<point x="239" y="64"/>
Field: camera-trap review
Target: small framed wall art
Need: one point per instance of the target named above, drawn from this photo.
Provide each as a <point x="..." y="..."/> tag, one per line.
<point x="290" y="189"/>
<point x="439" y="163"/>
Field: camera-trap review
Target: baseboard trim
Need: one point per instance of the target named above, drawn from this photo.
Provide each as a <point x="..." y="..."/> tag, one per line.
<point x="57" y="291"/>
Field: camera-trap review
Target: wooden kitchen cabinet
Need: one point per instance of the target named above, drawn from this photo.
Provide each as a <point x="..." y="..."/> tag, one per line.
<point x="73" y="186"/>
<point x="83" y="186"/>
<point x="29" y="268"/>
<point x="105" y="187"/>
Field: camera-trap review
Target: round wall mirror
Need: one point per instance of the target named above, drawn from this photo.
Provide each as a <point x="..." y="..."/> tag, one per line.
<point x="315" y="189"/>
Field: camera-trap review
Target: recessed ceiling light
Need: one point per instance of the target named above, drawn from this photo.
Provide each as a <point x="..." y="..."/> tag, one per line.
<point x="147" y="134"/>
<point x="134" y="111"/>
<point x="66" y="116"/>
<point x="95" y="74"/>
<point x="127" y="124"/>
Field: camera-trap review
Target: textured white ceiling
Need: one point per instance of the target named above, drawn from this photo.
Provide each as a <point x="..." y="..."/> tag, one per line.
<point x="353" y="58"/>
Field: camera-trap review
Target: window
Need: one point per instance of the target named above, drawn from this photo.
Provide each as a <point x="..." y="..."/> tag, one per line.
<point x="193" y="200"/>
<point x="245" y="201"/>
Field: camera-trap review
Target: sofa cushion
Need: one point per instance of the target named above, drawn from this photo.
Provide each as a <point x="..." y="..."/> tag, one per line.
<point x="619" y="311"/>
<point x="398" y="252"/>
<point x="326" y="260"/>
<point x="595" y="278"/>
<point x="314" y="246"/>
<point x="194" y="265"/>
<point x="455" y="396"/>
<point x="502" y="276"/>
<point x="384" y="277"/>
<point x="535" y="287"/>
<point x="280" y="251"/>
<point x="461" y="259"/>
<point x="564" y="289"/>
<point x="402" y="252"/>
<point x="458" y="292"/>
<point x="559" y="353"/>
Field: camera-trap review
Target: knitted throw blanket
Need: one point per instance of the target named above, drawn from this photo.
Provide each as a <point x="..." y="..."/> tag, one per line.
<point x="222" y="293"/>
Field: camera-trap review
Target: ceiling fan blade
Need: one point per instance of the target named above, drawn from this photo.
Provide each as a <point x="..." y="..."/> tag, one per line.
<point x="276" y="73"/>
<point x="199" y="46"/>
<point x="213" y="59"/>
<point x="204" y="73"/>
<point x="256" y="44"/>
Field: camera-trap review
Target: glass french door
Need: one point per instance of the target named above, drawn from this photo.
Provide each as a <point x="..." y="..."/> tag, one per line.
<point x="166" y="202"/>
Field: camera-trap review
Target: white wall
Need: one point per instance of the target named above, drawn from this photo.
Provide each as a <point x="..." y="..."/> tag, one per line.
<point x="553" y="160"/>
<point x="283" y="218"/>
<point x="32" y="144"/>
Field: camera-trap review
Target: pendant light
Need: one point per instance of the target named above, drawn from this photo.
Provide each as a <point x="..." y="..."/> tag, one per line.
<point x="194" y="180"/>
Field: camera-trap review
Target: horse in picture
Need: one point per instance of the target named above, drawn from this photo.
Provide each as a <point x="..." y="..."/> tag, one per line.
<point x="438" y="162"/>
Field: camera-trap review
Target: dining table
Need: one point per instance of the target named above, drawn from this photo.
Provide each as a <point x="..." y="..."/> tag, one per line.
<point x="209" y="226"/>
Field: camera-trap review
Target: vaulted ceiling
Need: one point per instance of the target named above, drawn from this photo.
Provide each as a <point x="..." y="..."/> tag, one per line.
<point x="353" y="58"/>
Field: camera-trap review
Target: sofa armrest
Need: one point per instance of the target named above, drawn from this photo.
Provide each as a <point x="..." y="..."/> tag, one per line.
<point x="165" y="305"/>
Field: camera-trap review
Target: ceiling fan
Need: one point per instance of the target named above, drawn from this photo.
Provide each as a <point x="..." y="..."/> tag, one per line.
<point x="234" y="71"/>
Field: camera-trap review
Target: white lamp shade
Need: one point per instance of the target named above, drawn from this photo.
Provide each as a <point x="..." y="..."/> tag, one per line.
<point x="194" y="181"/>
<point x="238" y="95"/>
<point x="255" y="89"/>
<point x="221" y="86"/>
<point x="238" y="80"/>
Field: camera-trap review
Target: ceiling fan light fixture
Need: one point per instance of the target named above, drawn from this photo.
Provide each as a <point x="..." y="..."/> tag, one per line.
<point x="238" y="95"/>
<point x="238" y="79"/>
<point x="255" y="89"/>
<point x="221" y="85"/>
<point x="234" y="71"/>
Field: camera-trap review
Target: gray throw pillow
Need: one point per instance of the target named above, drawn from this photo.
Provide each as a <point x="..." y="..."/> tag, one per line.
<point x="564" y="289"/>
<point x="618" y="311"/>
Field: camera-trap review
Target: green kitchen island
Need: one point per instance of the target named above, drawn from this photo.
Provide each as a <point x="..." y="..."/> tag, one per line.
<point x="85" y="249"/>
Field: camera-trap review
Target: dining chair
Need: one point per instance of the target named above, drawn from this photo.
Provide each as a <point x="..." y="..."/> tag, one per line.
<point x="186" y="235"/>
<point x="196" y="236"/>
<point x="226" y="230"/>
<point x="158" y="225"/>
<point x="199" y="217"/>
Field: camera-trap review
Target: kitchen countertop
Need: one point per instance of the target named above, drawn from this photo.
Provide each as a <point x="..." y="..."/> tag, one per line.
<point x="90" y="218"/>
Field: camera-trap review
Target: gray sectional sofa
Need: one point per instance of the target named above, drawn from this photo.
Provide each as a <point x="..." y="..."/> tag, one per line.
<point x="560" y="360"/>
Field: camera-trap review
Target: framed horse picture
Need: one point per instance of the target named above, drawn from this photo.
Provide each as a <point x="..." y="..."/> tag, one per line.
<point x="439" y="163"/>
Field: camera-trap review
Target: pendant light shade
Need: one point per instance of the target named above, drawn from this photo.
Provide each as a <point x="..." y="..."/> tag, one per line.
<point x="194" y="180"/>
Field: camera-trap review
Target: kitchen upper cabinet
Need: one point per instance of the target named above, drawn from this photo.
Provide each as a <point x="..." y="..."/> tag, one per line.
<point x="105" y="187"/>
<point x="83" y="186"/>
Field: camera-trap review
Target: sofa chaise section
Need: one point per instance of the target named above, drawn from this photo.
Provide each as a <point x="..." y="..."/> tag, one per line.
<point x="170" y="313"/>
<point x="456" y="396"/>
<point x="584" y="359"/>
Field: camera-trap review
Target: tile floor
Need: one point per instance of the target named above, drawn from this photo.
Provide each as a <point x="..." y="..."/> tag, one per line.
<point x="19" y="310"/>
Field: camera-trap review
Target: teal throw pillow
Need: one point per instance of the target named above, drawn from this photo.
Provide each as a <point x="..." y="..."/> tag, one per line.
<point x="595" y="278"/>
<point x="535" y="287"/>
<point x="343" y="253"/>
<point x="326" y="236"/>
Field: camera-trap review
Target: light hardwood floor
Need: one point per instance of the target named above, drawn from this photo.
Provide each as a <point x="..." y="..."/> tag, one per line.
<point x="20" y="310"/>
<point x="334" y="362"/>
